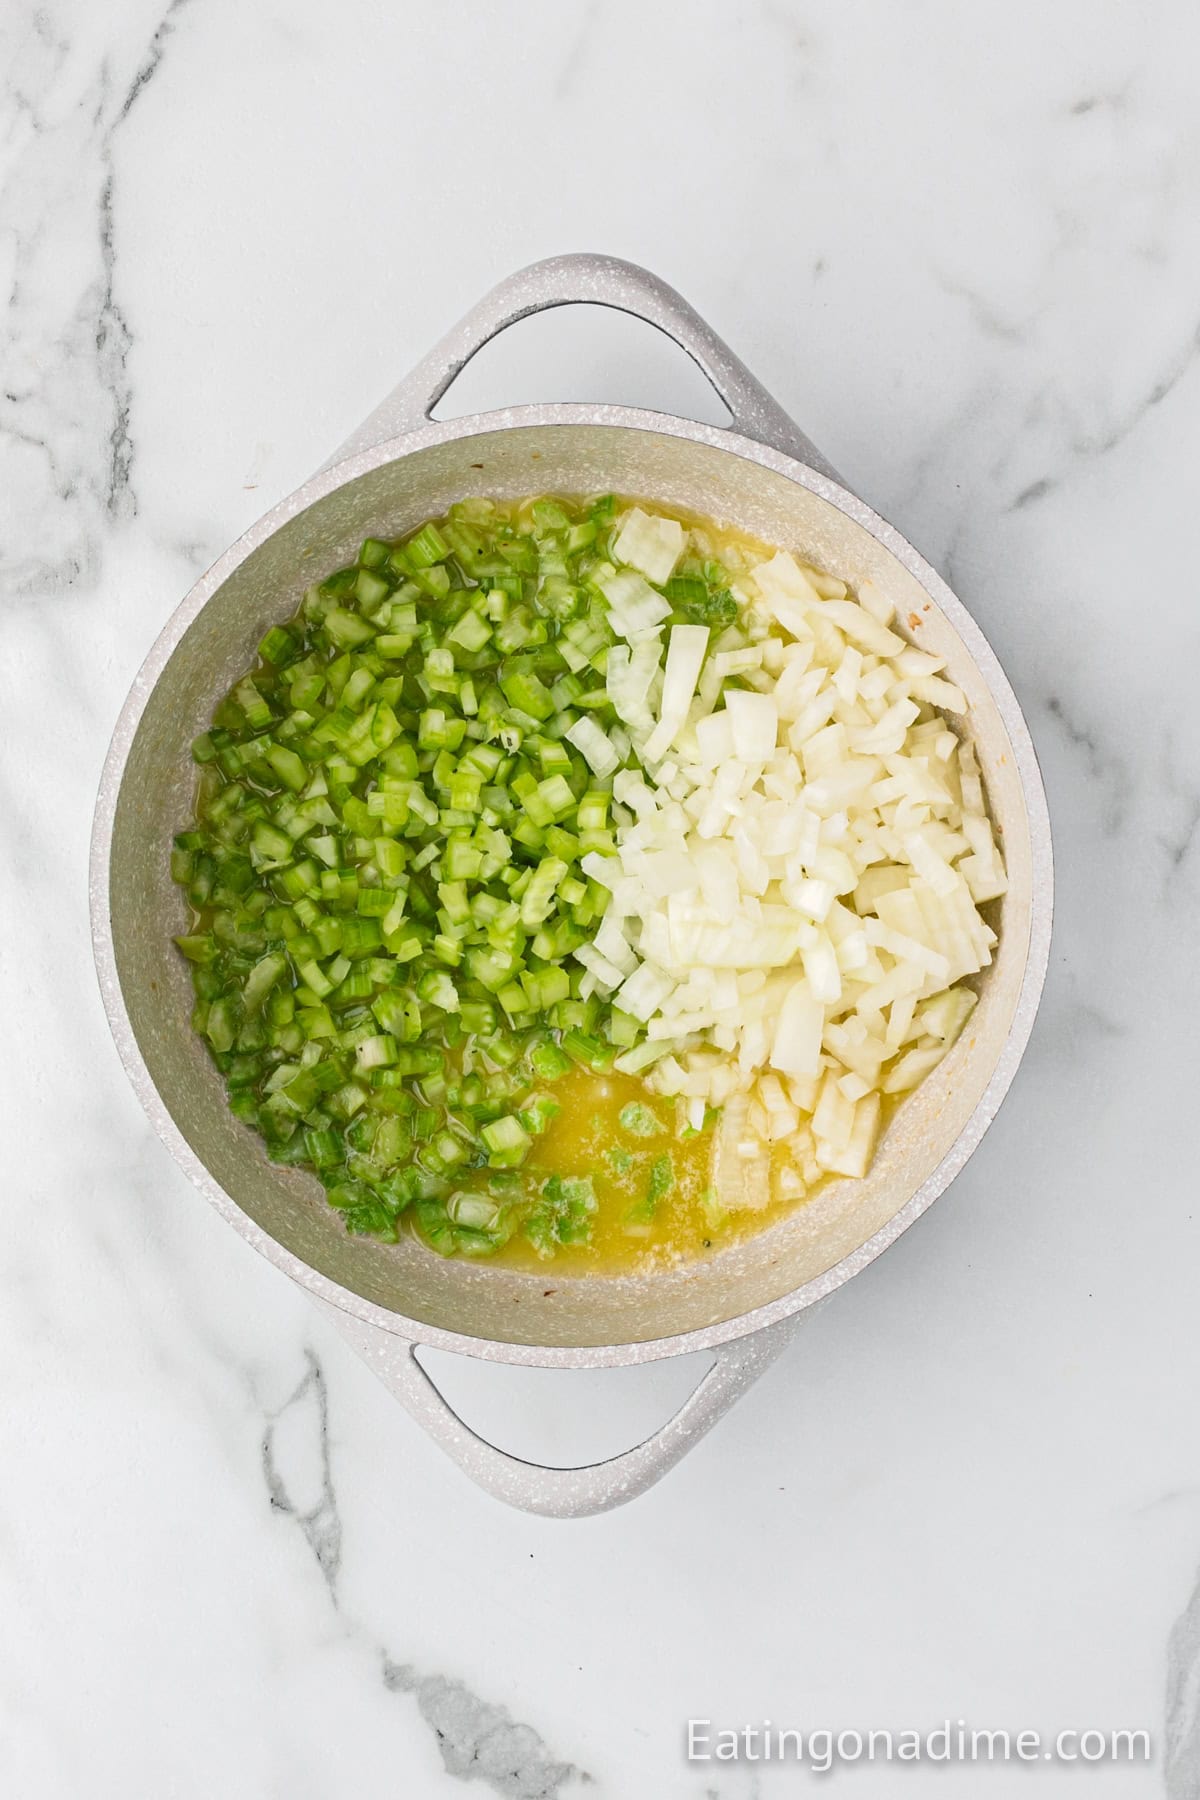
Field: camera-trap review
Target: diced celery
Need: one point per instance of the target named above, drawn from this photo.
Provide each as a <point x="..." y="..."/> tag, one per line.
<point x="507" y="1142"/>
<point x="385" y="867"/>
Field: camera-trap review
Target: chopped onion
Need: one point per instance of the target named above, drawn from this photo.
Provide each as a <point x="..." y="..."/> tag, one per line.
<point x="593" y="746"/>
<point x="685" y="655"/>
<point x="633" y="605"/>
<point x="643" y="992"/>
<point x="796" y="1049"/>
<point x="754" y="720"/>
<point x="798" y="868"/>
<point x="699" y="938"/>
<point x="650" y="543"/>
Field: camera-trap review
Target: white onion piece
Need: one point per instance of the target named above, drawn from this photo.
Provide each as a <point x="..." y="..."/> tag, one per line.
<point x="754" y="720"/>
<point x="612" y="943"/>
<point x="593" y="745"/>
<point x="643" y="992"/>
<point x="700" y="938"/>
<point x="650" y="543"/>
<point x="861" y="628"/>
<point x="685" y="654"/>
<point x="797" y="876"/>
<point x="633" y="605"/>
<point x="796" y="1049"/>
<point x="606" y="974"/>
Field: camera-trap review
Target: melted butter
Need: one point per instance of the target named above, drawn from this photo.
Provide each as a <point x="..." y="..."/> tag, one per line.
<point x="587" y="1138"/>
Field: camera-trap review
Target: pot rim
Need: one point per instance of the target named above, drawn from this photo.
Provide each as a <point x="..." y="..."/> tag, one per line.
<point x="339" y="474"/>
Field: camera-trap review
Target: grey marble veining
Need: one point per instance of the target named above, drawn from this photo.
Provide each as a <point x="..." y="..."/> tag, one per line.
<point x="1182" y="1736"/>
<point x="482" y="1742"/>
<point x="309" y="1495"/>
<point x="964" y="250"/>
<point x="66" y="452"/>
<point x="476" y="1739"/>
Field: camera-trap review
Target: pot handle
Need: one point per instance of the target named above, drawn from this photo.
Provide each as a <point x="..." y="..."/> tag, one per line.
<point x="584" y="278"/>
<point x="556" y="1493"/>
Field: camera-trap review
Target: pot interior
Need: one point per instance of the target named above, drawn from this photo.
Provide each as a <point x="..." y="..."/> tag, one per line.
<point x="156" y="795"/>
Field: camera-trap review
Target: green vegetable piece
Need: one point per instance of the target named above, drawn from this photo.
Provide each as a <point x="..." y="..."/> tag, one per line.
<point x="539" y="1112"/>
<point x="715" y="1214"/>
<point x="472" y="631"/>
<point x="507" y="1142"/>
<point x="347" y="629"/>
<point x="526" y="692"/>
<point x="200" y="948"/>
<point x="221" y="1028"/>
<point x="277" y="646"/>
<point x="478" y="1211"/>
<point x="700" y="603"/>
<point x="548" y="1062"/>
<point x="661" y="1181"/>
<point x="427" y="547"/>
<point x="592" y="1052"/>
<point x="289" y="767"/>
<point x="639" y="1121"/>
<point x="262" y="979"/>
<point x="563" y="1215"/>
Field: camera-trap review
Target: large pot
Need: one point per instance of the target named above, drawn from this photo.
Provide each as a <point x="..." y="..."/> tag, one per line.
<point x="398" y="469"/>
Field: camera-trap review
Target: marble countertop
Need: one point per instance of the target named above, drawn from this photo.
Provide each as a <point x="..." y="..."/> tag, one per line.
<point x="963" y="248"/>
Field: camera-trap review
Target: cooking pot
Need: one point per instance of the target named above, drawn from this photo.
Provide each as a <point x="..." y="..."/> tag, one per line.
<point x="761" y="475"/>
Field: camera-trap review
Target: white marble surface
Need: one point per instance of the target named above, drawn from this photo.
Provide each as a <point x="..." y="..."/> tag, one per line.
<point x="963" y="246"/>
